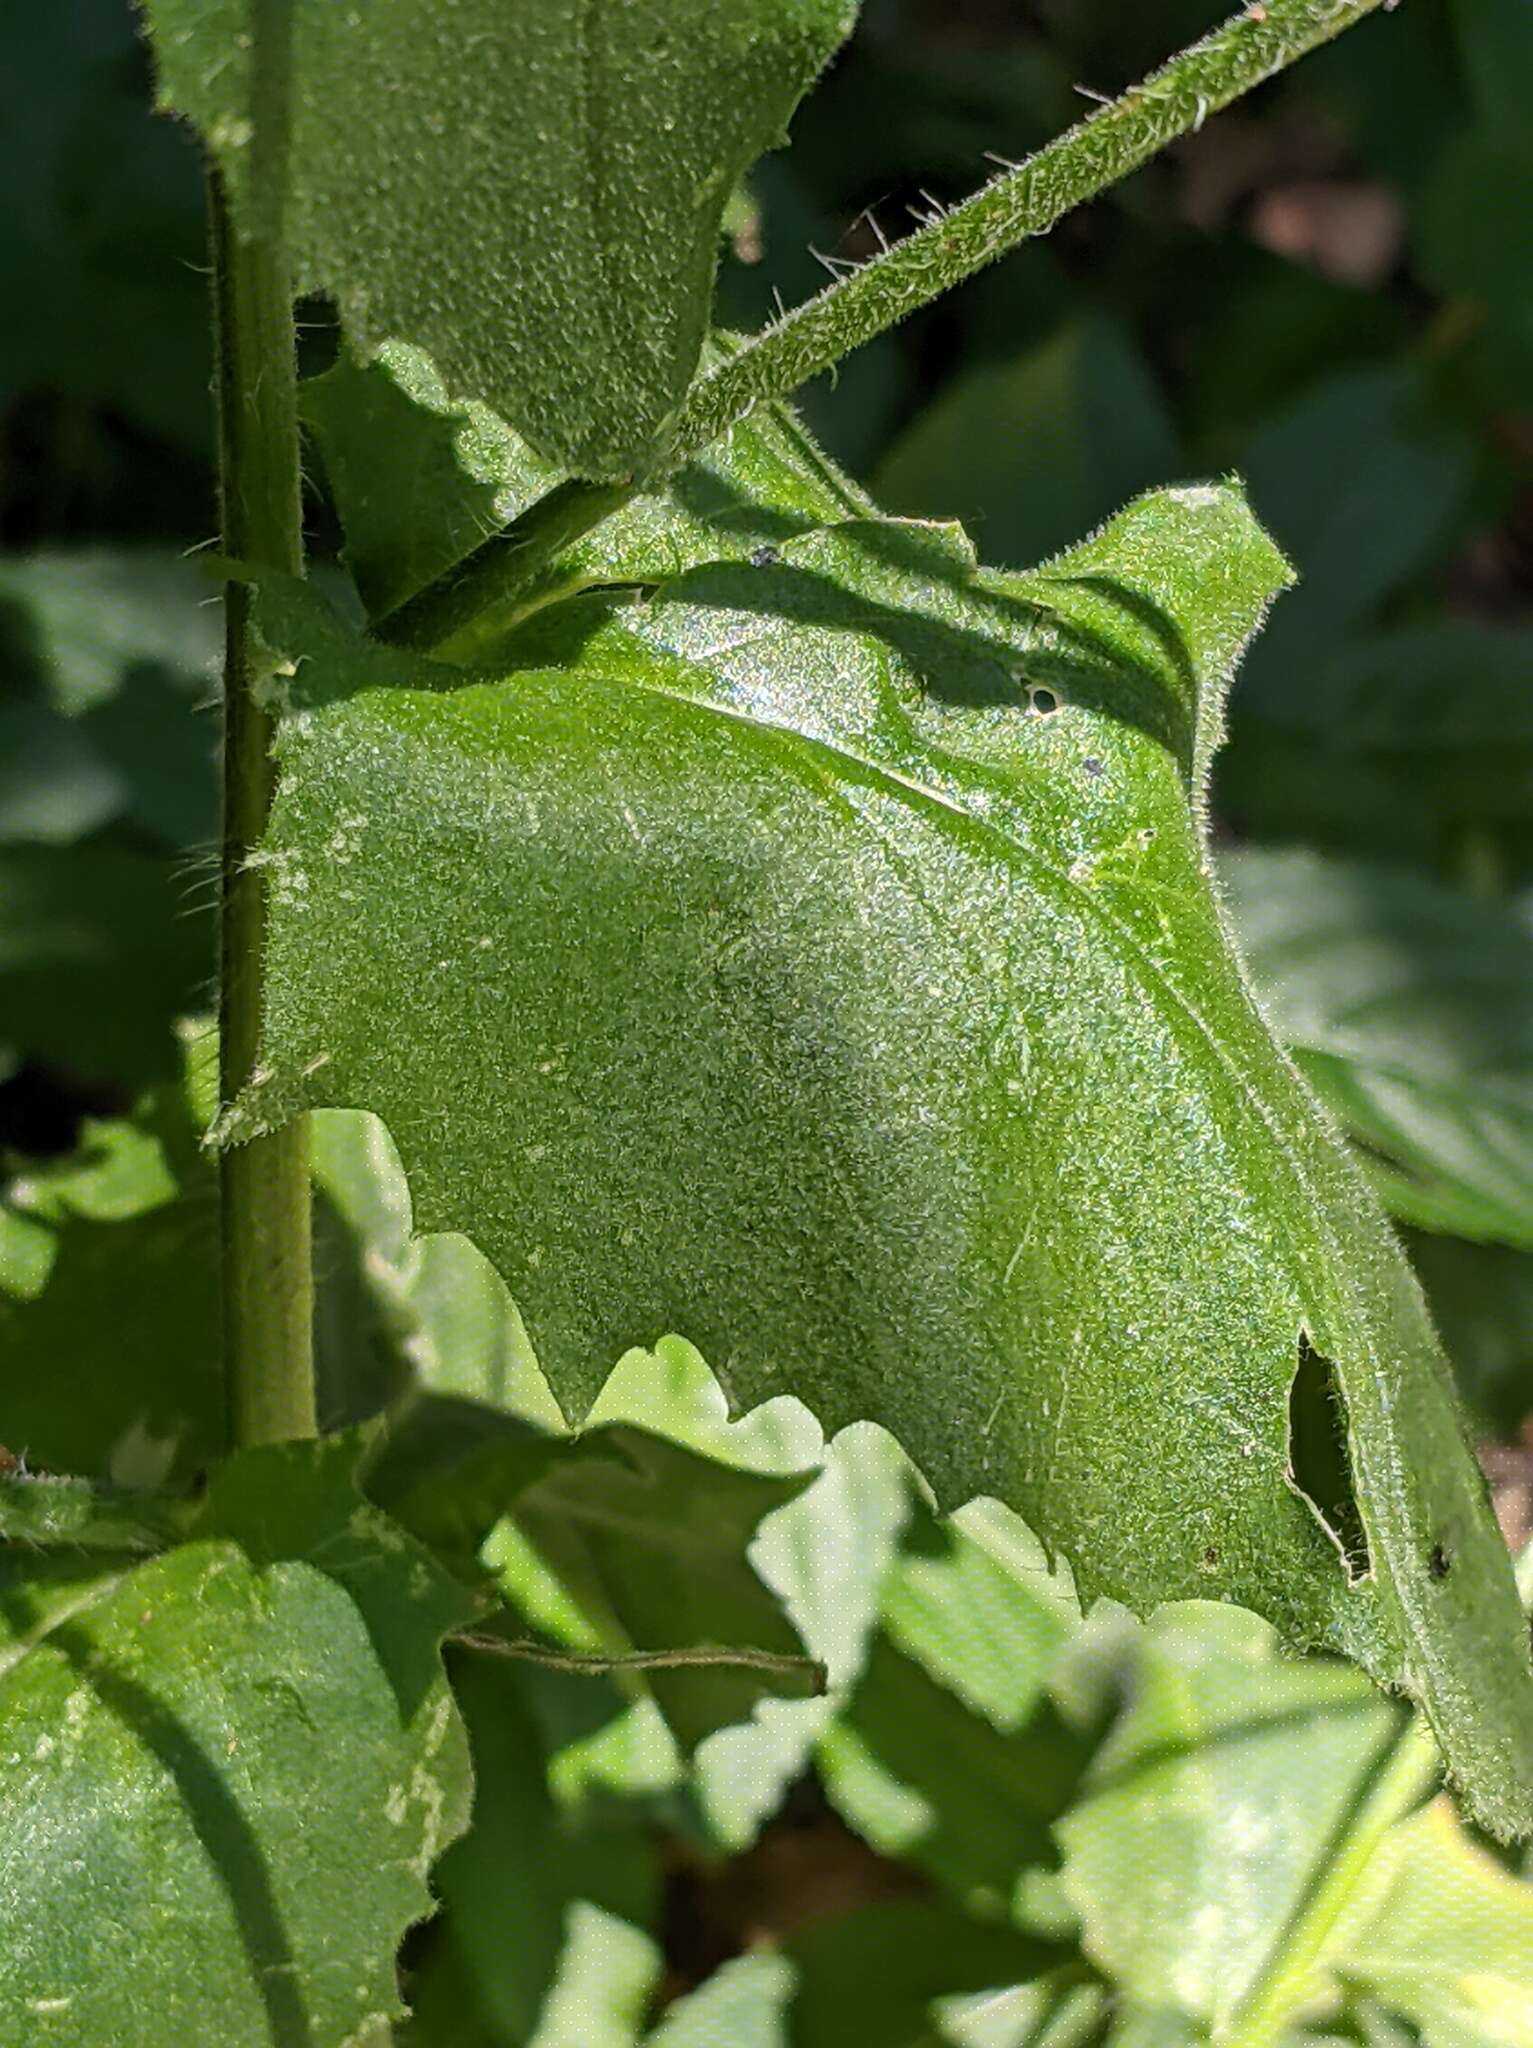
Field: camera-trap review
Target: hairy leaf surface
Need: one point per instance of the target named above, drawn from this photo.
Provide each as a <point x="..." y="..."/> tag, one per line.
<point x="824" y="966"/>
<point x="532" y="193"/>
<point x="420" y="479"/>
<point x="231" y="1770"/>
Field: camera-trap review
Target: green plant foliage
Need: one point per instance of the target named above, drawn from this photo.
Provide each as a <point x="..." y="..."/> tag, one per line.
<point x="863" y="1129"/>
<point x="96" y="960"/>
<point x="824" y="1554"/>
<point x="1198" y="1775"/>
<point x="948" y="1753"/>
<point x="105" y="230"/>
<point x="1482" y="1300"/>
<point x="560" y="270"/>
<point x="1410" y="1012"/>
<point x="1402" y="475"/>
<point x="109" y="1349"/>
<point x="1282" y="1891"/>
<point x="879" y="1973"/>
<point x="105" y="788"/>
<point x="420" y="480"/>
<point x="234" y="1766"/>
<point x="1413" y="743"/>
<point x="511" y="1885"/>
<point x="1033" y="451"/>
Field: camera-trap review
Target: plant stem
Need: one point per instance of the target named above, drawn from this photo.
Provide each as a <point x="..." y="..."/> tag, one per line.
<point x="268" y="1307"/>
<point x="1027" y="199"/>
<point x="602" y="1664"/>
<point x="508" y="575"/>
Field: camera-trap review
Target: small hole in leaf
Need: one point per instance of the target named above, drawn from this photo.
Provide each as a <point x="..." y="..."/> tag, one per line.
<point x="1439" y="1564"/>
<point x="1319" y="1462"/>
<point x="1041" y="700"/>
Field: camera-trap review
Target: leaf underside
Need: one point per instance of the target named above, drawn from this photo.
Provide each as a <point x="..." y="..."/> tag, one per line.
<point x="533" y="193"/>
<point x="837" y="930"/>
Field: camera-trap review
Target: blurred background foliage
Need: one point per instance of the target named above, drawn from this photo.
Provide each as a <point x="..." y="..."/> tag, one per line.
<point x="1326" y="289"/>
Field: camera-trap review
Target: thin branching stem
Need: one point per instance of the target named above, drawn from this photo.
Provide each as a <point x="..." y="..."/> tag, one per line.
<point x="604" y="1664"/>
<point x="510" y="574"/>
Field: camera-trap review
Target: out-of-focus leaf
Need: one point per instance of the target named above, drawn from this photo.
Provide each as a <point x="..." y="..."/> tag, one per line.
<point x="1234" y="1782"/>
<point x="1471" y="230"/>
<point x="510" y="1886"/>
<point x="948" y="1752"/>
<point x="104" y="234"/>
<point x="1441" y="1935"/>
<point x="1399" y="479"/>
<point x="535" y="201"/>
<point x="652" y="1542"/>
<point x="1032" y="453"/>
<point x="740" y="2006"/>
<point x="45" y="1512"/>
<point x="877" y="1974"/>
<point x="1481" y="1297"/>
<point x="234" y="1767"/>
<point x="824" y="1555"/>
<point x="77" y="623"/>
<point x="420" y="480"/>
<point x="109" y="1349"/>
<point x="837" y="929"/>
<point x="1415" y="739"/>
<point x="925" y="1778"/>
<point x="1496" y="41"/>
<point x="1409" y="1007"/>
<point x="1056" y="2010"/>
<point x="98" y="957"/>
<point x="646" y="1540"/>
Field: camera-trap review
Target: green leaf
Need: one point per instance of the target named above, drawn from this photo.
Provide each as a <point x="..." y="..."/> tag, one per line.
<point x="1409" y="1008"/>
<point x="824" y="1555"/>
<point x="511" y="1886"/>
<point x="877" y="1974"/>
<point x="109" y="1344"/>
<point x="824" y="966"/>
<point x="105" y="238"/>
<point x="1241" y="1778"/>
<point x="646" y="1540"/>
<point x="1404" y="476"/>
<point x="1442" y="1935"/>
<point x="1404" y="744"/>
<point x="540" y="207"/>
<point x="98" y="957"/>
<point x="948" y="1753"/>
<point x="651" y="1542"/>
<point x="420" y="479"/>
<point x="1481" y="1297"/>
<point x="232" y="1769"/>
<point x="740" y="2006"/>
<point x="1033" y="451"/>
<point x="49" y="1513"/>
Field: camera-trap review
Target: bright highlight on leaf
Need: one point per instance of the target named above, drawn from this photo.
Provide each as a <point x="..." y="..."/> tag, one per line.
<point x="837" y="928"/>
<point x="533" y="193"/>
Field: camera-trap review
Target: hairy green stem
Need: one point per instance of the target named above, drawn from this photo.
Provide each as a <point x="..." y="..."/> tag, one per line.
<point x="505" y="578"/>
<point x="1026" y="199"/>
<point x="268" y="1303"/>
<point x="510" y="573"/>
